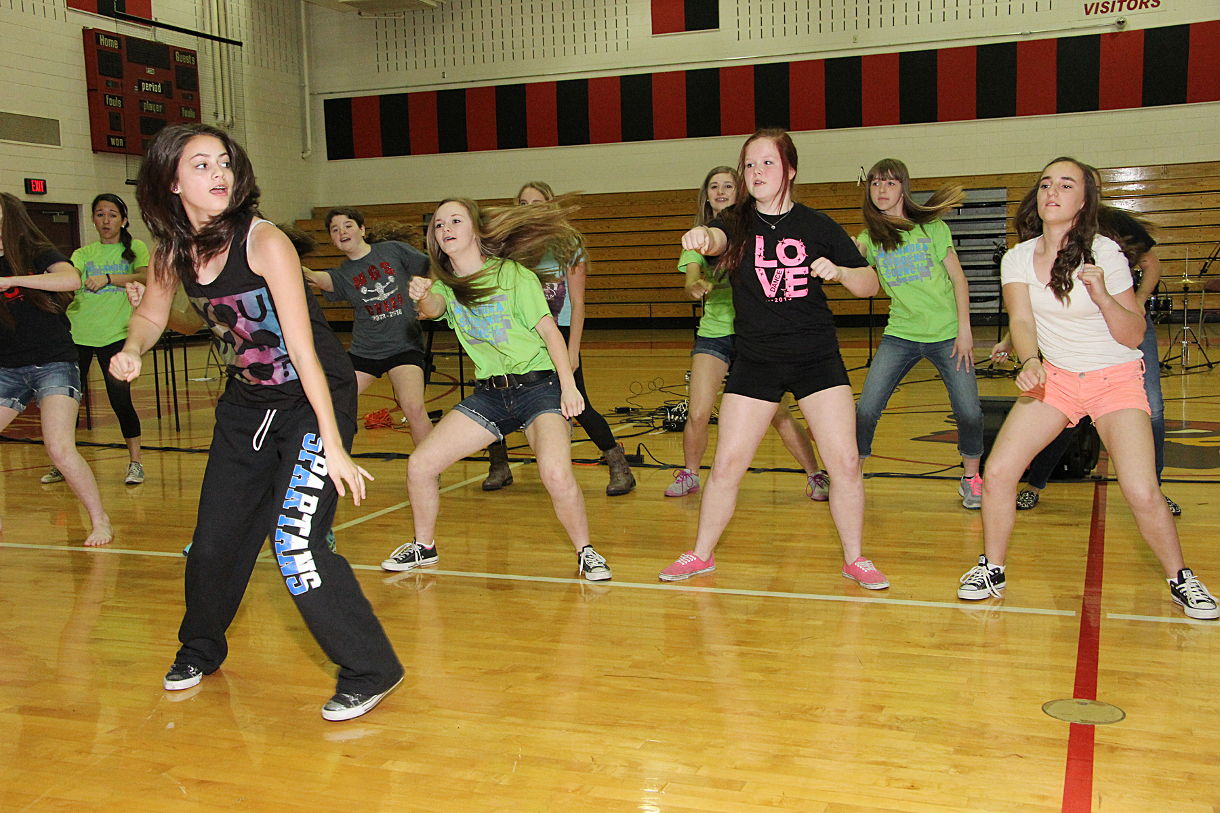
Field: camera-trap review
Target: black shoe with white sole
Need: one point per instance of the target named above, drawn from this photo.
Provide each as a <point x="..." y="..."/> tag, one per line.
<point x="349" y="706"/>
<point x="984" y="580"/>
<point x="1190" y="594"/>
<point x="592" y="566"/>
<point x="182" y="676"/>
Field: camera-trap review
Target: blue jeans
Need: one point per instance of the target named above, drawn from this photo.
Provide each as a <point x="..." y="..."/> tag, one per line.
<point x="1042" y="465"/>
<point x="894" y="359"/>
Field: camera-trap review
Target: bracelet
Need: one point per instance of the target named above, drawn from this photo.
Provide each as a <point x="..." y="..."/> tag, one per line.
<point x="108" y="279"/>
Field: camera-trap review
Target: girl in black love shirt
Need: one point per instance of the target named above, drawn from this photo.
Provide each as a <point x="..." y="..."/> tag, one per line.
<point x="778" y="254"/>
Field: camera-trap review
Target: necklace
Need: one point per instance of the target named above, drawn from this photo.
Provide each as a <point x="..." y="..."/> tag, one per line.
<point x="777" y="221"/>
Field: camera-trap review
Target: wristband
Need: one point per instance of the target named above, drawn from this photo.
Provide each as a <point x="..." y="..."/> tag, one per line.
<point x="108" y="279"/>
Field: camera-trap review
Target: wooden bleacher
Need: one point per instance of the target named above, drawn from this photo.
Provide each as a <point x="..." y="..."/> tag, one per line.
<point x="634" y="237"/>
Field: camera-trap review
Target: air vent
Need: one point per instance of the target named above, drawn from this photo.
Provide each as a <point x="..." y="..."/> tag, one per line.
<point x="29" y="129"/>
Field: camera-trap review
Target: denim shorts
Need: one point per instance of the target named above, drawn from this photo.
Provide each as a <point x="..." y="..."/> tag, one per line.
<point x="720" y="346"/>
<point x="503" y="412"/>
<point x="18" y="385"/>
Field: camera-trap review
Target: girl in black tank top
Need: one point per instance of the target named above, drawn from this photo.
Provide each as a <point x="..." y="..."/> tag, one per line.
<point x="279" y="457"/>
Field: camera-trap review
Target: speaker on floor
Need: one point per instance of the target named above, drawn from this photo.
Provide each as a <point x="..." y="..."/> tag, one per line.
<point x="1079" y="458"/>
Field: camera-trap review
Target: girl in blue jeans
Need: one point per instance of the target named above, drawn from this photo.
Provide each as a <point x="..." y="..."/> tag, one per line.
<point x="912" y="250"/>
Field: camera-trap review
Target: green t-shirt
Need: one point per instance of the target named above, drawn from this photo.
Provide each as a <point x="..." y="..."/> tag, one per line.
<point x="499" y="333"/>
<point x="100" y="317"/>
<point x="717" y="320"/>
<point x="923" y="308"/>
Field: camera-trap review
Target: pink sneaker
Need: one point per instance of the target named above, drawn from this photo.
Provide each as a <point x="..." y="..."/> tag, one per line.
<point x="819" y="486"/>
<point x="862" y="571"/>
<point x="685" y="482"/>
<point x="688" y="565"/>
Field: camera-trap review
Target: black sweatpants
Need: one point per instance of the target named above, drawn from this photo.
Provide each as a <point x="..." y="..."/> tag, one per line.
<point x="119" y="392"/>
<point x="266" y="476"/>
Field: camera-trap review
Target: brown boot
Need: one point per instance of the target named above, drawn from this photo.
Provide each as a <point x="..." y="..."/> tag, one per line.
<point x="498" y="474"/>
<point x="621" y="479"/>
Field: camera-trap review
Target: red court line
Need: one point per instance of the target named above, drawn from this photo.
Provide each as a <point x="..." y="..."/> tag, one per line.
<point x="1078" y="775"/>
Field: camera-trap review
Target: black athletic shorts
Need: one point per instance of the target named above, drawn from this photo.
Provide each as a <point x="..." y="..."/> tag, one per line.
<point x="770" y="380"/>
<point x="379" y="367"/>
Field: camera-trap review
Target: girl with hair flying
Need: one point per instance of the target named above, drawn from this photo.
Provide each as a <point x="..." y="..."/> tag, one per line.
<point x="912" y="250"/>
<point x="713" y="352"/>
<point x="99" y="314"/>
<point x="564" y="289"/>
<point x="279" y="460"/>
<point x="778" y="253"/>
<point x="485" y="291"/>
<point x="37" y="356"/>
<point x="1069" y="296"/>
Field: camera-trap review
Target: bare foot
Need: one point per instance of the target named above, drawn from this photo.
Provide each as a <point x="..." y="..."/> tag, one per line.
<point x="102" y="534"/>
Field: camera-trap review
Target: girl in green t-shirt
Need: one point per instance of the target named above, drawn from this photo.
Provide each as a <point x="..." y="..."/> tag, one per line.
<point x="713" y="352"/>
<point x="912" y="250"/>
<point x="100" y="311"/>
<point x="482" y="286"/>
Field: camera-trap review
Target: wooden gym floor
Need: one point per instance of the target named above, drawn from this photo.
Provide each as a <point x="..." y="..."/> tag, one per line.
<point x="772" y="683"/>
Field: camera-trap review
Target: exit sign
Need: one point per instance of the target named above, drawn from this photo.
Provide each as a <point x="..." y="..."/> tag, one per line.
<point x="35" y="186"/>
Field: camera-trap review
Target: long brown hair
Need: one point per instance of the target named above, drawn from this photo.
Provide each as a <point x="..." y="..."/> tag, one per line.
<point x="739" y="218"/>
<point x="22" y="243"/>
<point x="180" y="249"/>
<point x="703" y="211"/>
<point x="1077" y="245"/>
<point x="523" y="234"/>
<point x="886" y="231"/>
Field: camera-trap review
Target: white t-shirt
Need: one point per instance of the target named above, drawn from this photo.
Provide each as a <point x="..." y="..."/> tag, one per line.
<point x="1073" y="334"/>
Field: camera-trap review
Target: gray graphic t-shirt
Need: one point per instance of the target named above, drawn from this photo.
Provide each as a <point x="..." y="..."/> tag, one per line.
<point x="376" y="285"/>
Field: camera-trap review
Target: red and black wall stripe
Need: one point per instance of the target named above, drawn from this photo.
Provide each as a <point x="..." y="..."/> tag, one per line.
<point x="676" y="16"/>
<point x="1158" y="66"/>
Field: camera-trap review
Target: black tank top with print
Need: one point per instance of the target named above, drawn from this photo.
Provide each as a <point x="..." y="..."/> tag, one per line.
<point x="238" y="307"/>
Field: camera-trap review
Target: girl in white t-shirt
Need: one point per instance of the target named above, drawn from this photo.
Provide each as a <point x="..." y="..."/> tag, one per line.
<point x="1089" y="336"/>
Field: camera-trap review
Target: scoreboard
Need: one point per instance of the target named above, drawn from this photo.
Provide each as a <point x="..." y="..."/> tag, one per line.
<point x="136" y="87"/>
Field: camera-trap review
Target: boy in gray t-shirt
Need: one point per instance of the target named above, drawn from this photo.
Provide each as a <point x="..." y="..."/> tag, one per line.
<point x="386" y="337"/>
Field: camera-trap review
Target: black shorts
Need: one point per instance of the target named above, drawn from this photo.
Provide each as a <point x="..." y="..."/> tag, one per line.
<point x="770" y="380"/>
<point x="379" y="367"/>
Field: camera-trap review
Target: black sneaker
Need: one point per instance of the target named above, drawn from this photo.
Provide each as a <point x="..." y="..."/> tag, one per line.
<point x="1174" y="509"/>
<point x="592" y="565"/>
<point x="344" y="706"/>
<point x="411" y="556"/>
<point x="984" y="580"/>
<point x="183" y="676"/>
<point x="1192" y="596"/>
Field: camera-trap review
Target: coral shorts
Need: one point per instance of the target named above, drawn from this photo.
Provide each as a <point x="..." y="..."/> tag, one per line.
<point x="1095" y="393"/>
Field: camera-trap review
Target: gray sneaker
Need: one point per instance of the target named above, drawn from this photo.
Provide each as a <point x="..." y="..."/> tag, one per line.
<point x="135" y="474"/>
<point x="971" y="492"/>
<point x="52" y="476"/>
